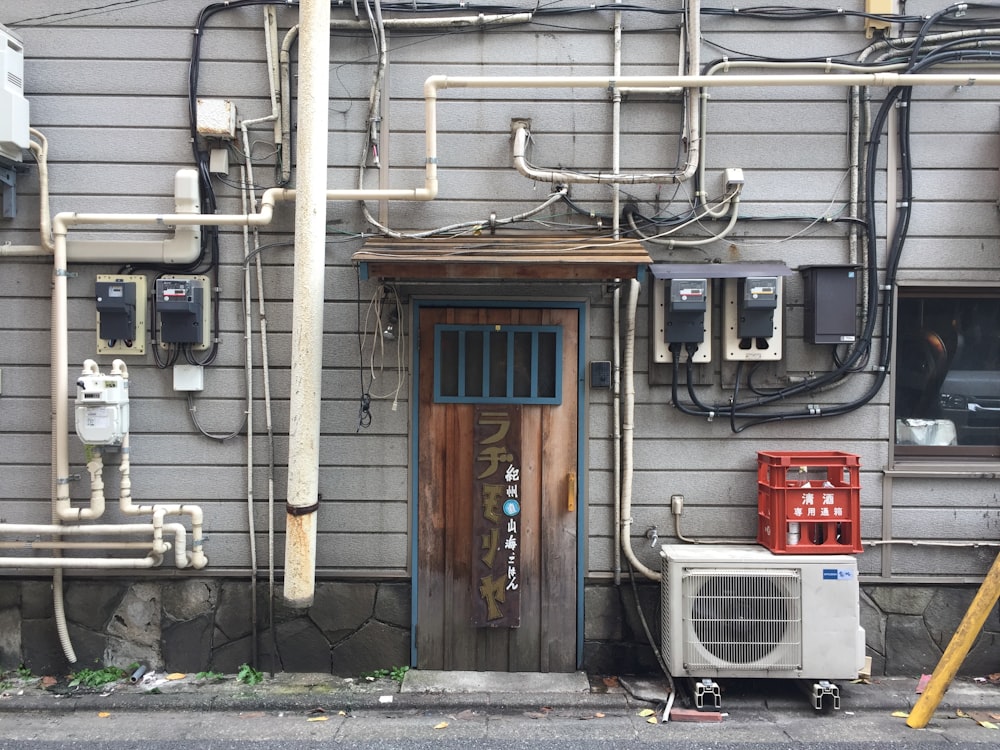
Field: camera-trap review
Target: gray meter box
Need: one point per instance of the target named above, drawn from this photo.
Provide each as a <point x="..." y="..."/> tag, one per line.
<point x="686" y="306"/>
<point x="183" y="310"/>
<point x="758" y="299"/>
<point x="831" y="294"/>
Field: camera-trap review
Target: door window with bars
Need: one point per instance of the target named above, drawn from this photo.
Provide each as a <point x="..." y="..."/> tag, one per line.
<point x="510" y="364"/>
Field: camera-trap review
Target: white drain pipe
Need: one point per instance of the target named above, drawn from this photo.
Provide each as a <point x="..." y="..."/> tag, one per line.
<point x="307" y="304"/>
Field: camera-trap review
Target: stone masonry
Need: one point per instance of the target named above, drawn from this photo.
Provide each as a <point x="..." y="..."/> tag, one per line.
<point x="355" y="627"/>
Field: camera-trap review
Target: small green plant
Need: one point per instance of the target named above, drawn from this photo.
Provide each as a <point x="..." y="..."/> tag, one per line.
<point x="209" y="675"/>
<point x="24" y="672"/>
<point x="398" y="673"/>
<point x="395" y="673"/>
<point x="96" y="677"/>
<point x="249" y="676"/>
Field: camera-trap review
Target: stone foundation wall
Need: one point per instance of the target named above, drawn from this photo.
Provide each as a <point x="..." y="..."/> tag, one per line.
<point x="198" y="625"/>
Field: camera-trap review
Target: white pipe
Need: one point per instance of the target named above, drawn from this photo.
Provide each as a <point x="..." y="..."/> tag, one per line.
<point x="284" y="138"/>
<point x="183" y="247"/>
<point x="158" y="546"/>
<point x="273" y="68"/>
<point x="436" y="83"/>
<point x="197" y="558"/>
<point x="58" y="335"/>
<point x="155" y="528"/>
<point x="628" y="430"/>
<point x="307" y="305"/>
<point x="102" y="563"/>
<point x="105" y="545"/>
<point x="614" y="177"/>
<point x="95" y="467"/>
<point x="40" y="149"/>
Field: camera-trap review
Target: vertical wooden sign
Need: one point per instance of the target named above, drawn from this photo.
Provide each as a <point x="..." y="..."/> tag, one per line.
<point x="496" y="518"/>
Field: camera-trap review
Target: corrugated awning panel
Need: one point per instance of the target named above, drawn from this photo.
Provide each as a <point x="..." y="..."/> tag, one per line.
<point x="502" y="258"/>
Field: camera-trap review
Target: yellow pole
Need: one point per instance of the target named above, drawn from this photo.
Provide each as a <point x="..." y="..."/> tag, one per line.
<point x="957" y="649"/>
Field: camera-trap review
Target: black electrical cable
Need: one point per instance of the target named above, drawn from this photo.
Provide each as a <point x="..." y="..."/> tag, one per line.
<point x="898" y="98"/>
<point x="364" y="410"/>
<point x="657" y="653"/>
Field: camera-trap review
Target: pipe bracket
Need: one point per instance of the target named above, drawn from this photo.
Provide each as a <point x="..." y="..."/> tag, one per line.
<point x="301" y="510"/>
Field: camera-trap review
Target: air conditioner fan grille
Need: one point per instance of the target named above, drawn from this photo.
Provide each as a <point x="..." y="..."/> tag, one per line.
<point x="742" y="619"/>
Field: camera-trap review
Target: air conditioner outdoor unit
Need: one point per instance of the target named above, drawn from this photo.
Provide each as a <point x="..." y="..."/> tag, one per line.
<point x="742" y="611"/>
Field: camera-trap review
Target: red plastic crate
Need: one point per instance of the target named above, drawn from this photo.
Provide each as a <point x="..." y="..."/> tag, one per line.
<point x="820" y="491"/>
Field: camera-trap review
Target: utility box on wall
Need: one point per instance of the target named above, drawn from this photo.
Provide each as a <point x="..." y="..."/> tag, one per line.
<point x="831" y="294"/>
<point x="13" y="105"/>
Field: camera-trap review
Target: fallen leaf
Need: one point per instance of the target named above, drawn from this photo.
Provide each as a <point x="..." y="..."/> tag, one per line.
<point x="959" y="712"/>
<point x="983" y="719"/>
<point x="252" y="715"/>
<point x="994" y="678"/>
<point x="651" y="720"/>
<point x="646" y="712"/>
<point x="610" y="681"/>
<point x="598" y="715"/>
<point x="901" y="714"/>
<point x="341" y="713"/>
<point x="318" y="718"/>
<point x="103" y="715"/>
<point x="176" y="676"/>
<point x="442" y="725"/>
<point x="49" y="681"/>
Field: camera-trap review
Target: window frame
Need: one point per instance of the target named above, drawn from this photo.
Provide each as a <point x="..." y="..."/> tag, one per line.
<point x="511" y="331"/>
<point x="939" y="459"/>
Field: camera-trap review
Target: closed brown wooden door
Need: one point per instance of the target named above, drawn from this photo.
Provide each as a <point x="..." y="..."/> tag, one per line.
<point x="474" y="456"/>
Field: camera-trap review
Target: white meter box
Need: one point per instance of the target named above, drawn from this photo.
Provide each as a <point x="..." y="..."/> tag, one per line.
<point x="101" y="408"/>
<point x="14" y="122"/>
<point x="758" y="346"/>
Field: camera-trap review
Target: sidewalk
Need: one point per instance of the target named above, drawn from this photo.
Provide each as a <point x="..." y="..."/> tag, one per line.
<point x="489" y="691"/>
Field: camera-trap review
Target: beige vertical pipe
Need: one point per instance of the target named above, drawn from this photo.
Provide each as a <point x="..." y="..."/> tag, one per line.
<point x="307" y="303"/>
<point x="958" y="648"/>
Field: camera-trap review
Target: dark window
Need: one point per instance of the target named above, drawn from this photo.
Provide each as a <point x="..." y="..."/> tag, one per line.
<point x="497" y="363"/>
<point x="947" y="374"/>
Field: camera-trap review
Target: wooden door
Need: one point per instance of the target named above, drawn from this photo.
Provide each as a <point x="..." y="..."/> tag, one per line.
<point x="497" y="420"/>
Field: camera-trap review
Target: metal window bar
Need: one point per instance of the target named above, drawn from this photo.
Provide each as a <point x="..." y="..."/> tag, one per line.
<point x="499" y="357"/>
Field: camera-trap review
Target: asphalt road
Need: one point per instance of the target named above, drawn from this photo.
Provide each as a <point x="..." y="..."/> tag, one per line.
<point x="474" y="729"/>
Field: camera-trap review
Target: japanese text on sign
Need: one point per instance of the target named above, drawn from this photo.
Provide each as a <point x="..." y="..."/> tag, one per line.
<point x="497" y="515"/>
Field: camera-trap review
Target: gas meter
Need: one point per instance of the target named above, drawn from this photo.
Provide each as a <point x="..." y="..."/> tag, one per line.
<point x="102" y="405"/>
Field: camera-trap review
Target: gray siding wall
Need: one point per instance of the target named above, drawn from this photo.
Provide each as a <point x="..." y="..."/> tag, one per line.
<point x="108" y="90"/>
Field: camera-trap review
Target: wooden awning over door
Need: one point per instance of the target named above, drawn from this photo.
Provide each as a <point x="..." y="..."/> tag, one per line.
<point x="564" y="258"/>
